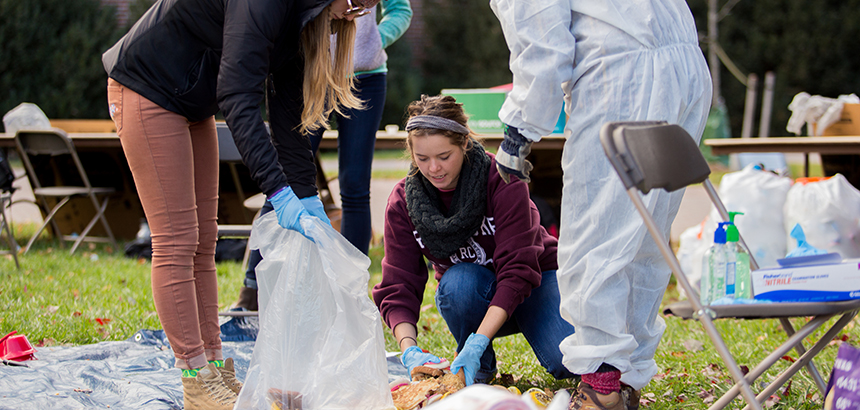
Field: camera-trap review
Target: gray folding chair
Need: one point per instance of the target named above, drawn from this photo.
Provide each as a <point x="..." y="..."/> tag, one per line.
<point x="55" y="144"/>
<point x="649" y="155"/>
<point x="6" y="228"/>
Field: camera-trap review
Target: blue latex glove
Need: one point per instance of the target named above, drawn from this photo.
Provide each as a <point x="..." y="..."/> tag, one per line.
<point x="511" y="157"/>
<point x="414" y="356"/>
<point x="315" y="208"/>
<point x="289" y="209"/>
<point x="803" y="248"/>
<point x="469" y="359"/>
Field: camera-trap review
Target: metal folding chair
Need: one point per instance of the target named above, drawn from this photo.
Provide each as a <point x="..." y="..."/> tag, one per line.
<point x="6" y="228"/>
<point x="649" y="155"/>
<point x="66" y="166"/>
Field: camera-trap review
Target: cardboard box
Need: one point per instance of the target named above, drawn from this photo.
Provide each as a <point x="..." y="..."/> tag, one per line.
<point x="848" y="124"/>
<point x="808" y="283"/>
<point x="482" y="105"/>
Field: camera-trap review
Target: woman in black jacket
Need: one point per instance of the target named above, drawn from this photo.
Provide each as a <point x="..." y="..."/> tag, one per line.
<point x="178" y="65"/>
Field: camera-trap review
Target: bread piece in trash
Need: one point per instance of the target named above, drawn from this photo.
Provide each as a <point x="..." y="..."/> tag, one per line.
<point x="425" y="372"/>
<point x="413" y="395"/>
<point x="410" y="396"/>
<point x="284" y="400"/>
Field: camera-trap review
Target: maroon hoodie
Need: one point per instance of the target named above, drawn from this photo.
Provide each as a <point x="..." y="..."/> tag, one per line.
<point x="511" y="242"/>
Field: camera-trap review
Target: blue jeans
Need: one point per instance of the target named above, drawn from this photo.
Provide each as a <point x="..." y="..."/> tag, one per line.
<point x="356" y="138"/>
<point x="464" y="295"/>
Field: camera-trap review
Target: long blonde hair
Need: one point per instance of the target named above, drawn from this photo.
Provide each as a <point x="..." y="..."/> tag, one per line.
<point x="328" y="85"/>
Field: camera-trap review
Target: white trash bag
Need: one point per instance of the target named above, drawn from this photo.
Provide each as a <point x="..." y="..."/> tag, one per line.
<point x="829" y="213"/>
<point x="26" y="116"/>
<point x="320" y="344"/>
<point x="760" y="195"/>
<point x="692" y="245"/>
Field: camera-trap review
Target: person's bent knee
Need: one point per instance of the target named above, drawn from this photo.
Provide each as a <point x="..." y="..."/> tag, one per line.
<point x="464" y="289"/>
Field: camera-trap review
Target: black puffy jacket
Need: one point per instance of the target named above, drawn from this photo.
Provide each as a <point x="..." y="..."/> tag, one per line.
<point x="194" y="57"/>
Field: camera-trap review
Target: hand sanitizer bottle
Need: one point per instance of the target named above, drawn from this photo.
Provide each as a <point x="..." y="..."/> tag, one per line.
<point x="742" y="286"/>
<point x="717" y="264"/>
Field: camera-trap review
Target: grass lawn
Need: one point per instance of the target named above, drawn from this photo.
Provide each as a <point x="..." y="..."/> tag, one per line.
<point x="98" y="294"/>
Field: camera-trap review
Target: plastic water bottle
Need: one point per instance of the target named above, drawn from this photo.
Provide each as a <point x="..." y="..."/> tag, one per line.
<point x="742" y="286"/>
<point x="717" y="264"/>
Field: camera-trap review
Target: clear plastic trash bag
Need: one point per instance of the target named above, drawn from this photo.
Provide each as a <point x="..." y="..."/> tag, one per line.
<point x="26" y="116"/>
<point x="320" y="344"/>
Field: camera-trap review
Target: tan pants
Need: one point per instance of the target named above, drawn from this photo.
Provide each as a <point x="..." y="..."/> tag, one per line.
<point x="175" y="168"/>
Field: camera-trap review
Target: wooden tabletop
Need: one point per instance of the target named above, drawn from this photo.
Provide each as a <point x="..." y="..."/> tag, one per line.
<point x="822" y="145"/>
<point x="384" y="140"/>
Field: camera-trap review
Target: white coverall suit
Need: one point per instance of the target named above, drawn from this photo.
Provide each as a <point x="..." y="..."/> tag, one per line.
<point x="611" y="60"/>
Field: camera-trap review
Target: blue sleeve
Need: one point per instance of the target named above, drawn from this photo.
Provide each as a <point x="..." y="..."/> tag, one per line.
<point x="396" y="17"/>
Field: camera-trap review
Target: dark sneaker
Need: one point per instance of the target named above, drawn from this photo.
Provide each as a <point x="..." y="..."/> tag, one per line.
<point x="585" y="398"/>
<point x="240" y="328"/>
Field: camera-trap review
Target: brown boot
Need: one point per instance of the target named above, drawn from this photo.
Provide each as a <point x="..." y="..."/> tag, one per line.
<point x="586" y="398"/>
<point x="207" y="391"/>
<point x="228" y="375"/>
<point x="631" y="396"/>
<point x="247" y="299"/>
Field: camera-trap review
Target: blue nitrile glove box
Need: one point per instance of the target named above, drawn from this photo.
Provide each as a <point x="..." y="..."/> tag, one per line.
<point x="817" y="283"/>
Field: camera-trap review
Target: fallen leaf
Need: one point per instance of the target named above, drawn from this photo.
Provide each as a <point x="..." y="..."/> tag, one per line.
<point x="76" y="293"/>
<point x="646" y="399"/>
<point x="678" y="354"/>
<point x="46" y="342"/>
<point x="707" y="396"/>
<point x="102" y="321"/>
<point x="789" y="358"/>
<point x="76" y="314"/>
<point x="52" y="309"/>
<point x="103" y="332"/>
<point x="693" y="345"/>
<point x="787" y="390"/>
<point x="712" y="369"/>
<point x="771" y="401"/>
<point x="681" y="398"/>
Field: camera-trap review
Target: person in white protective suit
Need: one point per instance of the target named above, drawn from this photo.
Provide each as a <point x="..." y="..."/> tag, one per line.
<point x="611" y="60"/>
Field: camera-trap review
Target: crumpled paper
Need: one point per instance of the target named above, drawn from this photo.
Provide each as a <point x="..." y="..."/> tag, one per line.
<point x="823" y="111"/>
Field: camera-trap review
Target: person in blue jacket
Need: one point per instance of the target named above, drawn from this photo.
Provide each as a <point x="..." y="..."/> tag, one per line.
<point x="182" y="62"/>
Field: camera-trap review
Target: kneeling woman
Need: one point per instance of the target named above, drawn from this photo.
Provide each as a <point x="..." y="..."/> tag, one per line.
<point x="496" y="265"/>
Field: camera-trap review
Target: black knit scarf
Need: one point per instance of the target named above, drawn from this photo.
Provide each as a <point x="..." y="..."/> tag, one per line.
<point x="443" y="233"/>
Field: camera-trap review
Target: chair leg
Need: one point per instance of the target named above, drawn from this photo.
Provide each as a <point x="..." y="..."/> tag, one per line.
<point x="705" y="317"/>
<point x="4" y="226"/>
<point x="801" y="350"/>
<point x="99" y="216"/>
<point x="48" y="219"/>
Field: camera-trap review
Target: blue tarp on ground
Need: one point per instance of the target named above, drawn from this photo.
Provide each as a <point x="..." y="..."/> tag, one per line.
<point x="133" y="374"/>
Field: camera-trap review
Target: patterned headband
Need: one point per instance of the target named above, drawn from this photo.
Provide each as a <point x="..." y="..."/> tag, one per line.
<point x="435" y="122"/>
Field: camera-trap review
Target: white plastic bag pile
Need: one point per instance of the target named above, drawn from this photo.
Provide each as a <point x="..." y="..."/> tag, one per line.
<point x="26" y="116"/>
<point x="823" y="111"/>
<point x="320" y="340"/>
<point x="828" y="211"/>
